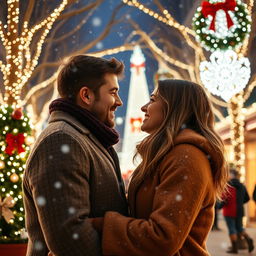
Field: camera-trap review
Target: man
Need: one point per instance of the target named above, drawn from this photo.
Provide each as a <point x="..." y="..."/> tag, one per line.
<point x="73" y="172"/>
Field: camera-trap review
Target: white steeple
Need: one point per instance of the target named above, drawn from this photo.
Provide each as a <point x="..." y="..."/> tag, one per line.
<point x="137" y="97"/>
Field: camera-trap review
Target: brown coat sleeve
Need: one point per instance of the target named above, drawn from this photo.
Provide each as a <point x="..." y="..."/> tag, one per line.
<point x="185" y="177"/>
<point x="58" y="183"/>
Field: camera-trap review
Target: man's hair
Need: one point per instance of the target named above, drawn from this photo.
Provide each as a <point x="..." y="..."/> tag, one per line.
<point x="84" y="70"/>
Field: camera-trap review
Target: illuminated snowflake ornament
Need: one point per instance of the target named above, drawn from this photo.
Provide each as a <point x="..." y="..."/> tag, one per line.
<point x="226" y="74"/>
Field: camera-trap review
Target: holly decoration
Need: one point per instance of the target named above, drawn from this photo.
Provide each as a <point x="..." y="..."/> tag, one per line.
<point x="14" y="129"/>
<point x="221" y="31"/>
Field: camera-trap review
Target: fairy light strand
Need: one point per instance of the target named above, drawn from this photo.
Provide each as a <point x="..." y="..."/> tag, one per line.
<point x="20" y="63"/>
<point x="244" y="48"/>
<point x="170" y="21"/>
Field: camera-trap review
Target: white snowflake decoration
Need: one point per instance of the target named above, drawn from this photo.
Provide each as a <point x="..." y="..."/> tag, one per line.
<point x="226" y="74"/>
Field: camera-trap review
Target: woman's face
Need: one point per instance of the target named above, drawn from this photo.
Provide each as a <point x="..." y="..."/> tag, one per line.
<point x="154" y="114"/>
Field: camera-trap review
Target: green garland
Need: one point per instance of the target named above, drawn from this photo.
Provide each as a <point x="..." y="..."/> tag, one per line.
<point x="208" y="37"/>
<point x="13" y="164"/>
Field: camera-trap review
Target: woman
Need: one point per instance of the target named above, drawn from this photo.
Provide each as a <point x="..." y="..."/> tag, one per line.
<point x="173" y="191"/>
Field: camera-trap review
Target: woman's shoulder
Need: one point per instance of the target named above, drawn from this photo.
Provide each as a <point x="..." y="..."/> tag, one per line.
<point x="185" y="158"/>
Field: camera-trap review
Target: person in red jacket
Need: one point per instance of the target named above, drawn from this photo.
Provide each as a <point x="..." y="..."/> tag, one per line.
<point x="233" y="211"/>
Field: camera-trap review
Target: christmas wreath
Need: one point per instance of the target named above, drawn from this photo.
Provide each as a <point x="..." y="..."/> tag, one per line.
<point x="221" y="25"/>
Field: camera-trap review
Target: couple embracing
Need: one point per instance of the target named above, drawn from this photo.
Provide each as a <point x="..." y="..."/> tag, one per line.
<point x="74" y="195"/>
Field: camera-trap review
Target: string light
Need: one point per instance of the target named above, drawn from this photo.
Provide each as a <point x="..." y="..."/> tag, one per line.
<point x="169" y="21"/>
<point x="237" y="132"/>
<point x="12" y="163"/>
<point x="15" y="72"/>
<point x="166" y="17"/>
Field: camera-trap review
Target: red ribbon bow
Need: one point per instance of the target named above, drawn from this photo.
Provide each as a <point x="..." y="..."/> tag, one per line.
<point x="14" y="142"/>
<point x="142" y="65"/>
<point x="211" y="9"/>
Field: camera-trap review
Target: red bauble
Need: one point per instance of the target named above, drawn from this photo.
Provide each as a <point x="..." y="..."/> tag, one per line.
<point x="17" y="114"/>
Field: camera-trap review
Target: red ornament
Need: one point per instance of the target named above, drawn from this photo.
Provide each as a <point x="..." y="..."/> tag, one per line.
<point x="211" y="9"/>
<point x="17" y="114"/>
<point x="136" y="124"/>
<point x="14" y="142"/>
<point x="142" y="65"/>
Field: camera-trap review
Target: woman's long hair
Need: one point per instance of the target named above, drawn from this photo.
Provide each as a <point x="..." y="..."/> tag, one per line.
<point x="184" y="103"/>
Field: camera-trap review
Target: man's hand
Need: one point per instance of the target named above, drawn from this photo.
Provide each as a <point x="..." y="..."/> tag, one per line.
<point x="50" y="254"/>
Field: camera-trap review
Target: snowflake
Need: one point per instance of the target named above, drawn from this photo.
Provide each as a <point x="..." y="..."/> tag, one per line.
<point x="75" y="236"/>
<point x="178" y="197"/>
<point x="226" y="74"/>
<point x="38" y="245"/>
<point x="96" y="21"/>
<point x="99" y="45"/>
<point x="57" y="185"/>
<point x="71" y="210"/>
<point x="41" y="201"/>
<point x="65" y="149"/>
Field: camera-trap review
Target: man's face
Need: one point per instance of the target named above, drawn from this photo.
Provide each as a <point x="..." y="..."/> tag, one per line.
<point x="107" y="101"/>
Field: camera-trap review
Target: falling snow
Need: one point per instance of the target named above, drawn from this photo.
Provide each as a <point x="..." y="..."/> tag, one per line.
<point x="57" y="185"/>
<point x="65" y="149"/>
<point x="75" y="236"/>
<point x="178" y="197"/>
<point x="38" y="245"/>
<point x="71" y="210"/>
<point x="96" y="22"/>
<point x="183" y="126"/>
<point x="41" y="201"/>
<point x="99" y="45"/>
<point x="74" y="69"/>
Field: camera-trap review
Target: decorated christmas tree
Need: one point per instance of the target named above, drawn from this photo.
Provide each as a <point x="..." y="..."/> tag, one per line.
<point x="15" y="139"/>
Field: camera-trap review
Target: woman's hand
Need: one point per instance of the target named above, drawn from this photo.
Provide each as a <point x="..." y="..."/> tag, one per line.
<point x="50" y="254"/>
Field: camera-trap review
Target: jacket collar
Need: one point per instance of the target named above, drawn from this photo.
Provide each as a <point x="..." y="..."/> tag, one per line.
<point x="62" y="116"/>
<point x="57" y="116"/>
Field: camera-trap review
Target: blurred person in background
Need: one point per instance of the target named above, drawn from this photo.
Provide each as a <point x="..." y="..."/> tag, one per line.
<point x="233" y="212"/>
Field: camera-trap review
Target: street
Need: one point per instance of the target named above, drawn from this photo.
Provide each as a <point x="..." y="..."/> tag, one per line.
<point x="218" y="241"/>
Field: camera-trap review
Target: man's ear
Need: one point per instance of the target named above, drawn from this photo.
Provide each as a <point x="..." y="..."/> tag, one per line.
<point x="86" y="95"/>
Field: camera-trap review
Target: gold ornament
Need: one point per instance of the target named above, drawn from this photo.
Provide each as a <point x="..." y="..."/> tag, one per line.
<point x="29" y="140"/>
<point x="14" y="178"/>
